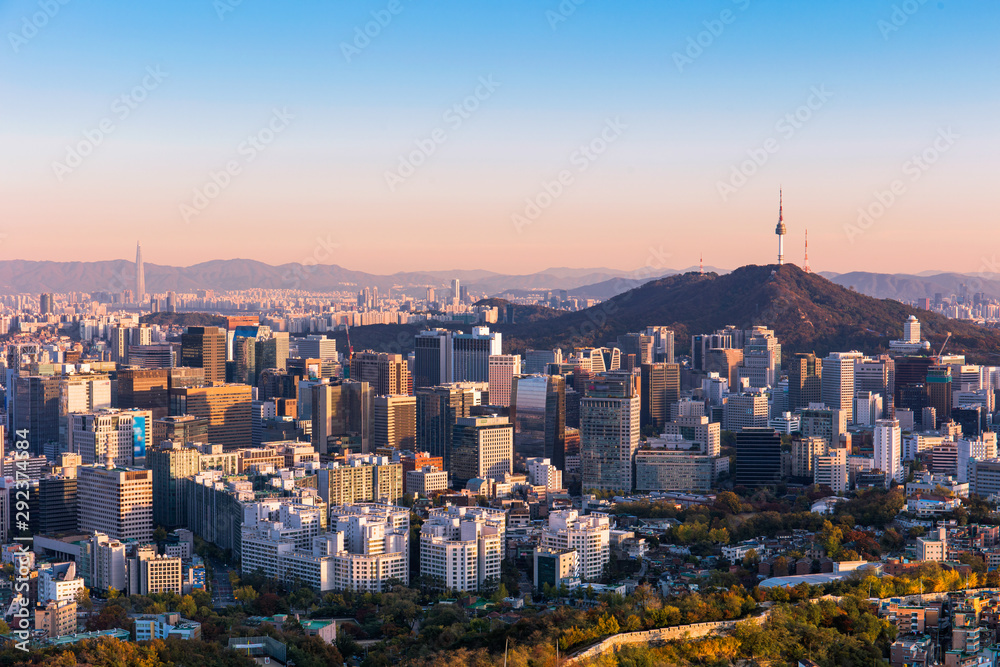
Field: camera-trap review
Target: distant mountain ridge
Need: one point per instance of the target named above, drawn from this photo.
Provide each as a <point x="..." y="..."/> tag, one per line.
<point x="19" y="276"/>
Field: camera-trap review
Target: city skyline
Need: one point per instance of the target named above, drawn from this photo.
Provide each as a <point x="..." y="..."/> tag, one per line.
<point x="867" y="108"/>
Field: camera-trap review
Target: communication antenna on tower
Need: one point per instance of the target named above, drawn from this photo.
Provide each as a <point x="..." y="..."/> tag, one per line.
<point x="805" y="265"/>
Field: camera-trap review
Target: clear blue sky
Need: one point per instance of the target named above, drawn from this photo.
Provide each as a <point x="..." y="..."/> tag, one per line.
<point x="328" y="172"/>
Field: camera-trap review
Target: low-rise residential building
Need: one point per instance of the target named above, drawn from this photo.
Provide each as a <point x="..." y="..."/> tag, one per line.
<point x="164" y="626"/>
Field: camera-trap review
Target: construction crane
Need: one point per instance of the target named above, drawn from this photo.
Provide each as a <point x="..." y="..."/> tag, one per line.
<point x="941" y="351"/>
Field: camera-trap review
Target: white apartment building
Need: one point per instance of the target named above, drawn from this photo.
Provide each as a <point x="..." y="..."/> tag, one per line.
<point x="590" y="535"/>
<point x="58" y="582"/>
<point x="460" y="549"/>
<point x="541" y="472"/>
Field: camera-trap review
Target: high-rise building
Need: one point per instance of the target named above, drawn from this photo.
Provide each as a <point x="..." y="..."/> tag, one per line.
<point x="170" y="462"/>
<point x="181" y="428"/>
<point x="589" y="535"/>
<point x="140" y="275"/>
<point x="115" y="501"/>
<point x="205" y="347"/>
<point x="805" y="449"/>
<point x="386" y="373"/>
<point x="888" y="449"/>
<point x="121" y="434"/>
<point x="831" y="470"/>
<point x="609" y="432"/>
<point x="877" y="375"/>
<point x="461" y="549"/>
<point x="57" y="504"/>
<point x="226" y="407"/>
<point x="537" y="361"/>
<point x="761" y="358"/>
<point x="822" y="422"/>
<point x="342" y="411"/>
<point x="805" y="384"/>
<point x="471" y="354"/>
<point x="317" y="346"/>
<point x="244" y="360"/>
<point x="503" y="368"/>
<point x="838" y="381"/>
<point x="640" y="345"/>
<point x="660" y="387"/>
<point x="432" y="358"/>
<point x="939" y="393"/>
<point x="663" y="343"/>
<point x="45" y="303"/>
<point x="438" y="410"/>
<point x="538" y="412"/>
<point x="758" y="457"/>
<point x="395" y="422"/>
<point x="746" y="410"/>
<point x="145" y="389"/>
<point x="482" y="447"/>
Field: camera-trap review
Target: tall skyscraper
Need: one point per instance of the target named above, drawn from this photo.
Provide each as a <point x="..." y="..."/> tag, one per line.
<point x="395" y="422"/>
<point x="538" y="412"/>
<point x="140" y="274"/>
<point x="503" y="368"/>
<point x="438" y="410"/>
<point x="170" y="463"/>
<point x="663" y="343"/>
<point x="471" y="354"/>
<point x="344" y="411"/>
<point x="761" y="358"/>
<point x="116" y="502"/>
<point x="227" y="407"/>
<point x="388" y="374"/>
<point x="482" y="447"/>
<point x="609" y="432"/>
<point x="805" y="384"/>
<point x="888" y="448"/>
<point x="758" y="457"/>
<point x="45" y="303"/>
<point x="838" y="381"/>
<point x="660" y="387"/>
<point x="432" y="358"/>
<point x="205" y="347"/>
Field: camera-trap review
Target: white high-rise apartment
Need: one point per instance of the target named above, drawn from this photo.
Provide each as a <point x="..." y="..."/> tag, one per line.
<point x="460" y="550"/>
<point x="888" y="447"/>
<point x="503" y="368"/>
<point x="589" y="535"/>
<point x="830" y="470"/>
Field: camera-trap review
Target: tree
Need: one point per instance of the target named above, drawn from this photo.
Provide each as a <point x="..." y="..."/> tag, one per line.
<point x="160" y="535"/>
<point x="187" y="607"/>
<point x="729" y="502"/>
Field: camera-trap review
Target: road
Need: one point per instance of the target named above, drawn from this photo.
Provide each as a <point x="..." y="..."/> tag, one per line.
<point x="222" y="590"/>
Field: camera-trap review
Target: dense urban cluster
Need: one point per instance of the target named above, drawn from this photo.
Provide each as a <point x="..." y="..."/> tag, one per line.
<point x="247" y="486"/>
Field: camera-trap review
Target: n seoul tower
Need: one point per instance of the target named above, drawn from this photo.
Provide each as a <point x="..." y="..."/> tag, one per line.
<point x="780" y="231"/>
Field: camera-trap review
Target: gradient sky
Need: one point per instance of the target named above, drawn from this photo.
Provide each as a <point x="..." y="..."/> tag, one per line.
<point x="651" y="198"/>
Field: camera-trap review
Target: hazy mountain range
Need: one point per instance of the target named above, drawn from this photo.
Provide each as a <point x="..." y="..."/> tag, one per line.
<point x="18" y="276"/>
